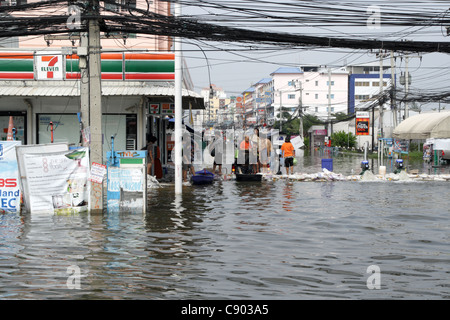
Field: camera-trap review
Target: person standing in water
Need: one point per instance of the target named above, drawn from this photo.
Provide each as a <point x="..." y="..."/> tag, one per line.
<point x="288" y="152"/>
<point x="153" y="157"/>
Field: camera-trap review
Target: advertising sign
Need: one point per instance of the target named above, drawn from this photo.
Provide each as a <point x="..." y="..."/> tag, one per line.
<point x="9" y="177"/>
<point x="362" y="123"/>
<point x="98" y="171"/>
<point x="31" y="149"/>
<point x="126" y="181"/>
<point x="167" y="108"/>
<point x="58" y="181"/>
<point x="153" y="108"/>
<point x="400" y="146"/>
<point x="49" y="65"/>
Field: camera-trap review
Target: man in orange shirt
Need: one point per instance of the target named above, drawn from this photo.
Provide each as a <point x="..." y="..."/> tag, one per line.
<point x="288" y="152"/>
<point x="245" y="144"/>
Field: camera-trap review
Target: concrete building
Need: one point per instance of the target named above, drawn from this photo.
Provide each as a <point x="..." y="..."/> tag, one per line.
<point x="42" y="82"/>
<point x="309" y="86"/>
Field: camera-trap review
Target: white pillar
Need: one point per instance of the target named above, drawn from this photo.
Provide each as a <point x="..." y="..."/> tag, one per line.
<point x="178" y="109"/>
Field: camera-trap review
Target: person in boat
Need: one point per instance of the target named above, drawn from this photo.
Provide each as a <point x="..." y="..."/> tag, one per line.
<point x="265" y="149"/>
<point x="244" y="151"/>
<point x="153" y="157"/>
<point x="288" y="153"/>
<point x="255" y="150"/>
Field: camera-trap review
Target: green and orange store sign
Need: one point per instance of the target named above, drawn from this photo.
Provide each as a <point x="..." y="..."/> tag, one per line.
<point x="53" y="65"/>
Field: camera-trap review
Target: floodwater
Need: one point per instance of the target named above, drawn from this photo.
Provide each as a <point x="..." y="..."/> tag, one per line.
<point x="274" y="240"/>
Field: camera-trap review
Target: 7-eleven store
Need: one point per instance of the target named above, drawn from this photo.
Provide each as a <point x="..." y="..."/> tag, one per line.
<point x="40" y="87"/>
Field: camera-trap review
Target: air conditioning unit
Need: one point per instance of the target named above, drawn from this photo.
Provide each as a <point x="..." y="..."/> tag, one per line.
<point x="131" y="144"/>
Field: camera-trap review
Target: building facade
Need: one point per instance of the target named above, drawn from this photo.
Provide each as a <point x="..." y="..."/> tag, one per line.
<point x="43" y="80"/>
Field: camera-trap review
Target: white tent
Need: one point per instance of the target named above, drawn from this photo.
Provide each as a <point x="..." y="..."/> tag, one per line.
<point x="424" y="126"/>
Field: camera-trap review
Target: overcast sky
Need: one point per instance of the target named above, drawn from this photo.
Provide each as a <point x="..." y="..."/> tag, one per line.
<point x="235" y="68"/>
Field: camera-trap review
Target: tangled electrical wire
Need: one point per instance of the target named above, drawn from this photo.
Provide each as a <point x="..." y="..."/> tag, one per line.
<point x="125" y="17"/>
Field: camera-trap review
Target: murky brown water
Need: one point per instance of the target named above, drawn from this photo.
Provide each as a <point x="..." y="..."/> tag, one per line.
<point x="273" y="240"/>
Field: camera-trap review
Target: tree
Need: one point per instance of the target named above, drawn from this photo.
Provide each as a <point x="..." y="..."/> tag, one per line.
<point x="343" y="139"/>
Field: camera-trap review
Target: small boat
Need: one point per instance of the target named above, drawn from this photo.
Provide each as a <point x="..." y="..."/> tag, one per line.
<point x="203" y="177"/>
<point x="248" y="177"/>
<point x="244" y="173"/>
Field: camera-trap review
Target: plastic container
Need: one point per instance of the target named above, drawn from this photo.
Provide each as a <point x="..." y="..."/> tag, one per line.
<point x="327" y="164"/>
<point x="382" y="170"/>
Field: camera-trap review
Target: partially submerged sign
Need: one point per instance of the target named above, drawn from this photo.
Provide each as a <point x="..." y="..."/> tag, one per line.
<point x="21" y="151"/>
<point x="9" y="177"/>
<point x="57" y="182"/>
<point x="127" y="181"/>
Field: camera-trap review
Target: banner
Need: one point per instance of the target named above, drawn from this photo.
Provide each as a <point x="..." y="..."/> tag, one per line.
<point x="58" y="181"/>
<point x="9" y="177"/>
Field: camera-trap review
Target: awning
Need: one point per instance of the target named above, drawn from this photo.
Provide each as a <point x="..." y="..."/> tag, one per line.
<point x="424" y="126"/>
<point x="71" y="88"/>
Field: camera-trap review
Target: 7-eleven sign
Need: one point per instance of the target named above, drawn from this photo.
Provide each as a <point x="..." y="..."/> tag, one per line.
<point x="49" y="66"/>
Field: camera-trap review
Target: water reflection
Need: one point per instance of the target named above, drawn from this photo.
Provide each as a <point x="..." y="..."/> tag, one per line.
<point x="270" y="240"/>
<point x="288" y="197"/>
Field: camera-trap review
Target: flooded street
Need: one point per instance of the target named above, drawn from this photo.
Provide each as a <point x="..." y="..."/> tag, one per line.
<point x="234" y="240"/>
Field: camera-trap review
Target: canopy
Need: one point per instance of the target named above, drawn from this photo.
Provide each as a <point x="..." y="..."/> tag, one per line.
<point x="424" y="126"/>
<point x="160" y="92"/>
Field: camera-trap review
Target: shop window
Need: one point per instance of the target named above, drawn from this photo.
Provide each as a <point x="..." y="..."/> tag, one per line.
<point x="19" y="121"/>
<point x="67" y="129"/>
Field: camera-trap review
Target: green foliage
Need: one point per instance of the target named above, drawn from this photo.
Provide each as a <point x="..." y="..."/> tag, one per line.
<point x="343" y="139"/>
<point x="309" y="121"/>
<point x="291" y="126"/>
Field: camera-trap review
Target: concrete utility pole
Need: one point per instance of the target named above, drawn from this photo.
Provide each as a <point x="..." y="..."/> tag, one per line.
<point x="178" y="110"/>
<point x="281" y="109"/>
<point x="300" y="112"/>
<point x="300" y="105"/>
<point x="406" y="86"/>
<point x="381" y="56"/>
<point x="95" y="104"/>
<point x="329" y="102"/>
<point x="393" y="106"/>
<point x="407" y="57"/>
<point x="84" y="81"/>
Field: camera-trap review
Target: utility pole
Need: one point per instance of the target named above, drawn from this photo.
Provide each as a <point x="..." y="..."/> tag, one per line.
<point x="281" y="110"/>
<point x="300" y="112"/>
<point x="178" y="109"/>
<point x="407" y="82"/>
<point x="406" y="86"/>
<point x="84" y="81"/>
<point x="381" y="55"/>
<point x="329" y="102"/>
<point x="95" y="103"/>
<point x="300" y="106"/>
<point x="393" y="85"/>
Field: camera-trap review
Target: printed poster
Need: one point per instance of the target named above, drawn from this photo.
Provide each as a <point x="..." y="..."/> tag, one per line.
<point x="10" y="193"/>
<point x="58" y="181"/>
<point x="167" y="108"/>
<point x="126" y="188"/>
<point x="400" y="146"/>
<point x="98" y="171"/>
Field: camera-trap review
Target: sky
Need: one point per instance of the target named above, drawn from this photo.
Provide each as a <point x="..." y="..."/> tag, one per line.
<point x="235" y="67"/>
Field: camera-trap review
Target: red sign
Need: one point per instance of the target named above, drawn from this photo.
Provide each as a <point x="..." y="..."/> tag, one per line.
<point x="362" y="126"/>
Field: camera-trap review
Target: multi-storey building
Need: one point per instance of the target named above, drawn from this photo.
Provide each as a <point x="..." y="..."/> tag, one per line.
<point x="317" y="90"/>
